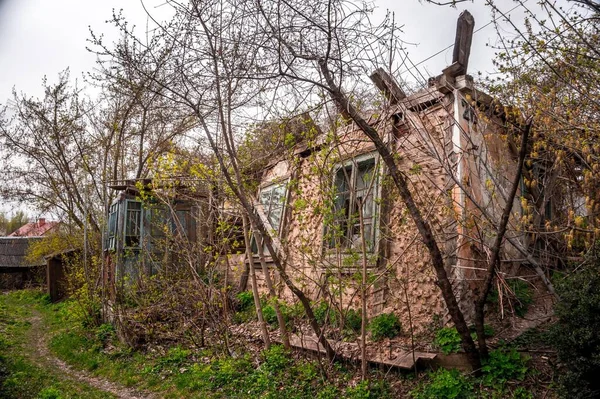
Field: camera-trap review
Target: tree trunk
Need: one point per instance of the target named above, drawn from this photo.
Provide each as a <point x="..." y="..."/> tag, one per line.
<point x="350" y="112"/>
<point x="272" y="294"/>
<point x="259" y="314"/>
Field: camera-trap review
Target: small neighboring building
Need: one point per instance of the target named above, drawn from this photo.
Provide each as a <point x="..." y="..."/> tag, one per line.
<point x="35" y="229"/>
<point x="147" y="237"/>
<point x="16" y="270"/>
<point x="56" y="272"/>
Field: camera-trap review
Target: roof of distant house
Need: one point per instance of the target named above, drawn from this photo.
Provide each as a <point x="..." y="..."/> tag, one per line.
<point x="34" y="229"/>
<point x="13" y="252"/>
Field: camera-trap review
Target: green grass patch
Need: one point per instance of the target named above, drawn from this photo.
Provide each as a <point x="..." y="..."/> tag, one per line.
<point x="22" y="372"/>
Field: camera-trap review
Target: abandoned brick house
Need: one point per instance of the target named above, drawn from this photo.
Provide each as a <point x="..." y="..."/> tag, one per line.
<point x="331" y="206"/>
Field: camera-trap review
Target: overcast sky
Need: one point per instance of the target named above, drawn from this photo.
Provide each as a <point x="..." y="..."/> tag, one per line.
<point x="42" y="37"/>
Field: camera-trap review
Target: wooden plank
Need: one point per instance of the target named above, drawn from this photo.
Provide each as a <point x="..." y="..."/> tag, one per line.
<point x="388" y="86"/>
<point x="401" y="359"/>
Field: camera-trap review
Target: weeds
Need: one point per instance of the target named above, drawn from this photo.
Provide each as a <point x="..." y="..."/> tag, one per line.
<point x="503" y="365"/>
<point x="448" y="340"/>
<point x="385" y="325"/>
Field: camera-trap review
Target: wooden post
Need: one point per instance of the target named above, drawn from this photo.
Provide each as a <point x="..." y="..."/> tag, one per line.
<point x="462" y="45"/>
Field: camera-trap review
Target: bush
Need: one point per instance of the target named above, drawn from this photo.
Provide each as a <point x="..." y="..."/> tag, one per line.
<point x="49" y="393"/>
<point x="269" y="314"/>
<point x="385" y="325"/>
<point x="445" y="384"/>
<point x="276" y="359"/>
<point x="105" y="332"/>
<point x="353" y="320"/>
<point x="323" y="312"/>
<point x="576" y="335"/>
<point x="246" y="300"/>
<point x="369" y="389"/>
<point x="502" y="366"/>
<point x="448" y="340"/>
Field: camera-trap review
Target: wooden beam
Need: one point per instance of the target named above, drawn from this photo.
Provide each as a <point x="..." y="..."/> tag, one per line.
<point x="462" y="45"/>
<point x="388" y="86"/>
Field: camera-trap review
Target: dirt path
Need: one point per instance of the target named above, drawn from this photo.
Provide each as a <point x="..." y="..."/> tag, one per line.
<point x="41" y="355"/>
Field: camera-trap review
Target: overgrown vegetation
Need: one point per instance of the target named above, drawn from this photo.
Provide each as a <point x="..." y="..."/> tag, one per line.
<point x="175" y="371"/>
<point x="448" y="340"/>
<point x="23" y="373"/>
<point x="576" y="335"/>
<point x="502" y="366"/>
<point x="385" y="325"/>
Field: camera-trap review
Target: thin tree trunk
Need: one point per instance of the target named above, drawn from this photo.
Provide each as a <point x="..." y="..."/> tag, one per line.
<point x="272" y="294"/>
<point x="363" y="293"/>
<point x="259" y="314"/>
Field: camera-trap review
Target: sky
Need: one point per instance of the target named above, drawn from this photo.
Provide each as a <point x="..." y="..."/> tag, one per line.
<point x="41" y="38"/>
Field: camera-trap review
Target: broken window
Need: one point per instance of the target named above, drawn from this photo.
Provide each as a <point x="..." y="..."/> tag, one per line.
<point x="355" y="187"/>
<point x="133" y="224"/>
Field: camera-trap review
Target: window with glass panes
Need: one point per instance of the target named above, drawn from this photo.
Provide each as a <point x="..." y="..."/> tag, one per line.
<point x="355" y="187"/>
<point x="272" y="198"/>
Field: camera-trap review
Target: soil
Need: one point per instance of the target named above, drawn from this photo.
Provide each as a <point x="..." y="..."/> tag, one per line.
<point x="39" y="354"/>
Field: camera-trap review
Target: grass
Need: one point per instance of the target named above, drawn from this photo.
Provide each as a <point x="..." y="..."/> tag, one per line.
<point x="22" y="375"/>
<point x="177" y="372"/>
<point x="183" y="372"/>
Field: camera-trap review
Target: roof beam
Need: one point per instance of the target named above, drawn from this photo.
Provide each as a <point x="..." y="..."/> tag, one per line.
<point x="388" y="86"/>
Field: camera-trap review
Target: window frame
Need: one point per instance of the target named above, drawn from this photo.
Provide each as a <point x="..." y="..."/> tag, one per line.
<point x="140" y="224"/>
<point x="112" y="227"/>
<point x="270" y="186"/>
<point x="374" y="192"/>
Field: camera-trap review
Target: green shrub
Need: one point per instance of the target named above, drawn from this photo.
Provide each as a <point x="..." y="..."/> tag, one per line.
<point x="503" y="365"/>
<point x="276" y="359"/>
<point x="105" y="332"/>
<point x="521" y="393"/>
<point x="49" y="393"/>
<point x="448" y="340"/>
<point x="353" y="320"/>
<point x="576" y="335"/>
<point x="323" y="312"/>
<point x="246" y="300"/>
<point x="445" y="384"/>
<point x="369" y="389"/>
<point x="269" y="314"/>
<point x="385" y="325"/>
<point x="175" y="357"/>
